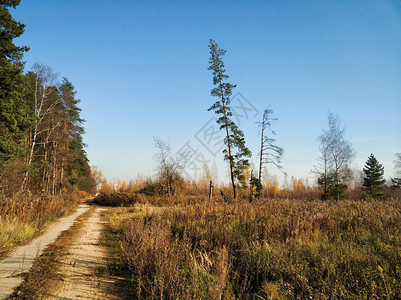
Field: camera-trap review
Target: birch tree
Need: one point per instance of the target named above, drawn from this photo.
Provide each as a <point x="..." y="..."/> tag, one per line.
<point x="169" y="168"/>
<point x="41" y="80"/>
<point x="396" y="182"/>
<point x="337" y="154"/>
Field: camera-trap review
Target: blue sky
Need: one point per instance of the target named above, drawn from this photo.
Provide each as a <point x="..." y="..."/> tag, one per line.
<point x="140" y="69"/>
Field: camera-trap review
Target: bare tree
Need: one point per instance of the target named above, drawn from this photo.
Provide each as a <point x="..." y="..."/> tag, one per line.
<point x="169" y="168"/>
<point x="397" y="164"/>
<point x="396" y="182"/>
<point x="324" y="165"/>
<point x="269" y="152"/>
<point x="340" y="149"/>
<point x="337" y="154"/>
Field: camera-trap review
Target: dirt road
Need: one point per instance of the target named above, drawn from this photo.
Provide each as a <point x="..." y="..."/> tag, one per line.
<point x="22" y="259"/>
<point x="80" y="275"/>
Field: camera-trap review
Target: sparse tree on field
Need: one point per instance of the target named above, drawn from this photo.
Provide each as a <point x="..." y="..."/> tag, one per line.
<point x="337" y="154"/>
<point x="397" y="163"/>
<point x="323" y="168"/>
<point x="169" y="168"/>
<point x="396" y="182"/>
<point x="236" y="153"/>
<point x="373" y="182"/>
<point x="269" y="152"/>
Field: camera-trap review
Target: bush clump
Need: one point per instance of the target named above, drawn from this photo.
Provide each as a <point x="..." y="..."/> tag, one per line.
<point x="117" y="199"/>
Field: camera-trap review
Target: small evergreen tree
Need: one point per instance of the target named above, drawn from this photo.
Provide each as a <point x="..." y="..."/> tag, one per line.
<point x="373" y="183"/>
<point x="76" y="162"/>
<point x="257" y="184"/>
<point x="332" y="187"/>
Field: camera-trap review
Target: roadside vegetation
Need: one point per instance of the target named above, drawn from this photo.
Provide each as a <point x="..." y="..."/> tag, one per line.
<point x="23" y="217"/>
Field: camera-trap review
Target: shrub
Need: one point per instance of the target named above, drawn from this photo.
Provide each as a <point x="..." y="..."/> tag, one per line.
<point x="117" y="199"/>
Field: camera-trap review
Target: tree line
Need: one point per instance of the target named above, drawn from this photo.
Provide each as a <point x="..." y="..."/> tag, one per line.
<point x="41" y="143"/>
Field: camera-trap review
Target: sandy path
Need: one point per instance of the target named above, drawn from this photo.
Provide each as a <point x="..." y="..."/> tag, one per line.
<point x="22" y="258"/>
<point x="79" y="276"/>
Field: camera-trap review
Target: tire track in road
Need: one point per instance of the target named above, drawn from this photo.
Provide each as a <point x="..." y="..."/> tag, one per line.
<point x="78" y="272"/>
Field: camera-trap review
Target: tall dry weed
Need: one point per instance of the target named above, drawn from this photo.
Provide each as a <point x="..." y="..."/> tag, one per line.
<point x="287" y="248"/>
<point x="23" y="216"/>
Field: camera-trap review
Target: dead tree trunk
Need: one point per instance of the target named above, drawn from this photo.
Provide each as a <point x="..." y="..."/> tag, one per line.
<point x="210" y="190"/>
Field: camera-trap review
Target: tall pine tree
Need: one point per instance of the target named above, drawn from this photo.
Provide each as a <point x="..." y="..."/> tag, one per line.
<point x="373" y="183"/>
<point x="75" y="163"/>
<point x="13" y="120"/>
<point x="236" y="153"/>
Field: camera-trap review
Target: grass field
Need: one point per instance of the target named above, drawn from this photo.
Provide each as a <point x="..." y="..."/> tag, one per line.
<point x="271" y="249"/>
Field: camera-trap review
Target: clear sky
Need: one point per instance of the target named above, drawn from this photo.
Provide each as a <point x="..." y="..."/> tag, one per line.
<point x="140" y="69"/>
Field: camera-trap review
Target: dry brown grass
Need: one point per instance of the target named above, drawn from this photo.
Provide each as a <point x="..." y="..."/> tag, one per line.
<point x="272" y="249"/>
<point x="23" y="217"/>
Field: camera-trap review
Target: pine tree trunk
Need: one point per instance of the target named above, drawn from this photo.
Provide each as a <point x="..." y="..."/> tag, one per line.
<point x="230" y="158"/>
<point x="261" y="151"/>
<point x="251" y="187"/>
